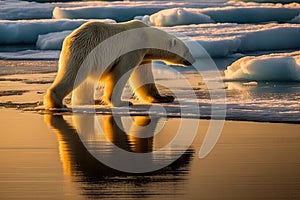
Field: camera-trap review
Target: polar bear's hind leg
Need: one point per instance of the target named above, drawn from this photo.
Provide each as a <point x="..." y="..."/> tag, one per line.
<point x="61" y="87"/>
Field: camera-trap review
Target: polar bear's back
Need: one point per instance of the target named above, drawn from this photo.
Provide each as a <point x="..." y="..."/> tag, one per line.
<point x="85" y="38"/>
<point x="94" y="32"/>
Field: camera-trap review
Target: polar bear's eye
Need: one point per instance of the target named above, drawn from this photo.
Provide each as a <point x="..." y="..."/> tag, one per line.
<point x="173" y="42"/>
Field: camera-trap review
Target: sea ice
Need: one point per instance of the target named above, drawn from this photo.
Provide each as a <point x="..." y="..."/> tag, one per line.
<point x="271" y="67"/>
<point x="51" y="41"/>
<point x="13" y="10"/>
<point x="176" y="16"/>
<point x="117" y="13"/>
<point x="250" y="14"/>
<point x="30" y="55"/>
<point x="219" y="40"/>
<point x="189" y="13"/>
<point x="27" y="31"/>
<point x="271" y="1"/>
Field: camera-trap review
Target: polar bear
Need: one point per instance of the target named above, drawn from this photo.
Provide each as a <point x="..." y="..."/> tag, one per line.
<point x="133" y="64"/>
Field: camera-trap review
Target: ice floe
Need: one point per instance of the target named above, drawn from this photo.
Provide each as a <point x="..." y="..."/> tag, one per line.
<point x="271" y="67"/>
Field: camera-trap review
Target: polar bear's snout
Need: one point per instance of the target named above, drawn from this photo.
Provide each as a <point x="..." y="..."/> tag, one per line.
<point x="186" y="62"/>
<point x="189" y="59"/>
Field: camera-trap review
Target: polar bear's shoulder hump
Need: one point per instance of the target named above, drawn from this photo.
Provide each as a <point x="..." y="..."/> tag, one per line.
<point x="129" y="25"/>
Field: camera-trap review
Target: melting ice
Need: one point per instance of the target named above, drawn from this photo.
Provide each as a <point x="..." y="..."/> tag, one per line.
<point x="254" y="45"/>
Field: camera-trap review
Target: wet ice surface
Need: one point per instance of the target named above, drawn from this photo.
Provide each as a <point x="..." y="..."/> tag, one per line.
<point x="23" y="84"/>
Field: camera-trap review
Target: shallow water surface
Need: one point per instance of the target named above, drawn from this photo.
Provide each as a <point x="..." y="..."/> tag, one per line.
<point x="53" y="157"/>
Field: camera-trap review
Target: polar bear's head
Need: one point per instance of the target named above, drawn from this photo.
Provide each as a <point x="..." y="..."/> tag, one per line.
<point x="171" y="49"/>
<point x="178" y="53"/>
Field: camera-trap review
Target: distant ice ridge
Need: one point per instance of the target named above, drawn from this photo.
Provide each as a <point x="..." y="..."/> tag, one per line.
<point x="232" y="11"/>
<point x="15" y="9"/>
<point x="30" y="55"/>
<point x="124" y="11"/>
<point x="271" y="67"/>
<point x="251" y="14"/>
<point x="219" y="40"/>
<point x="175" y="16"/>
<point x="119" y="14"/>
<point x="166" y="15"/>
<point x="296" y="20"/>
<point x="271" y="1"/>
<point x="51" y="41"/>
<point x="27" y="31"/>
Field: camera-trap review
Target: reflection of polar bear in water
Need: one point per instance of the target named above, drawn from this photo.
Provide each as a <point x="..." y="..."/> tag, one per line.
<point x="87" y="38"/>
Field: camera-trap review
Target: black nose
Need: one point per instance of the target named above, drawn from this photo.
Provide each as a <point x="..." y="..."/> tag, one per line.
<point x="186" y="62"/>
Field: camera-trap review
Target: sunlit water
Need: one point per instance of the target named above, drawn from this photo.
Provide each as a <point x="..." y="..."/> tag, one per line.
<point x="56" y="155"/>
<point x="50" y="157"/>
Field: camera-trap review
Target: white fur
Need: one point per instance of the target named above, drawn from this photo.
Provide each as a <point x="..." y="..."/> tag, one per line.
<point x="107" y="52"/>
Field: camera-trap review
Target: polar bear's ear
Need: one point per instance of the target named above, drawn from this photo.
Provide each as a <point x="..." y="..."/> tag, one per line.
<point x="173" y="42"/>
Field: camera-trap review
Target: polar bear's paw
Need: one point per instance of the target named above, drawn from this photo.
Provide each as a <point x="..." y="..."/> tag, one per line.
<point x="52" y="100"/>
<point x="161" y="99"/>
<point x="122" y="103"/>
<point x="103" y="101"/>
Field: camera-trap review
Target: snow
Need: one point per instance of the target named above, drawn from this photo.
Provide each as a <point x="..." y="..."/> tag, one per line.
<point x="120" y="10"/>
<point x="170" y="15"/>
<point x="229" y="14"/>
<point x="176" y="16"/>
<point x="12" y="10"/>
<point x="15" y="9"/>
<point x="30" y="55"/>
<point x="272" y="1"/>
<point x="214" y="48"/>
<point x="117" y="13"/>
<point x="296" y="20"/>
<point x="273" y="38"/>
<point x="233" y="11"/>
<point x="271" y="67"/>
<point x="27" y="31"/>
<point x="51" y="41"/>
<point x="250" y="14"/>
<point x="221" y="40"/>
<point x="235" y="33"/>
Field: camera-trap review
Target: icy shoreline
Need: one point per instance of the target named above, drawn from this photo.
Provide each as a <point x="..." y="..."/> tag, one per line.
<point x="255" y="47"/>
<point x="23" y="84"/>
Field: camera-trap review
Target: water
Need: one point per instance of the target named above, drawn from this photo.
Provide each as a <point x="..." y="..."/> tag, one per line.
<point x="43" y="157"/>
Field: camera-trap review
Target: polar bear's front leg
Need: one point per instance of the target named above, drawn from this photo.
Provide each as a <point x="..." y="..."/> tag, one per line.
<point x="84" y="93"/>
<point x="117" y="85"/>
<point x="142" y="82"/>
<point x="118" y="77"/>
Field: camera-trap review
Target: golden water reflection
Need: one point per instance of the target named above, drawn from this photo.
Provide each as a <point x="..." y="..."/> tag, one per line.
<point x="99" y="180"/>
